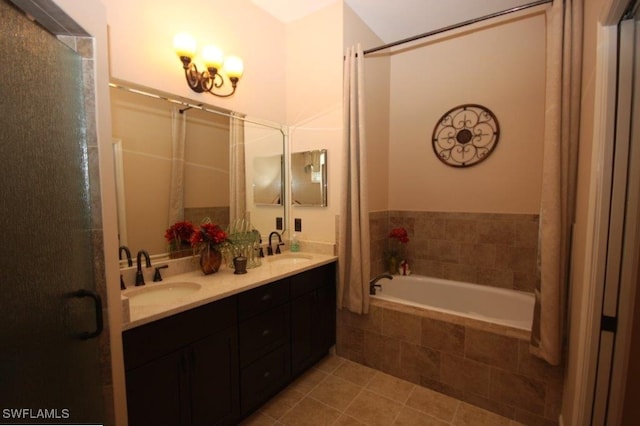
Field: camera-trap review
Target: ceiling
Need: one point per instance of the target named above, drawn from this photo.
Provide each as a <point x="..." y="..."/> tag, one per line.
<point x="394" y="20"/>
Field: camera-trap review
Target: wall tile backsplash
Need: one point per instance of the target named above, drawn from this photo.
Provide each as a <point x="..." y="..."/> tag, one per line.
<point x="493" y="249"/>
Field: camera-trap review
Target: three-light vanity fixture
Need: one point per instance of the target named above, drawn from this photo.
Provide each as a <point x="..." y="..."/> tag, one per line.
<point x="216" y="66"/>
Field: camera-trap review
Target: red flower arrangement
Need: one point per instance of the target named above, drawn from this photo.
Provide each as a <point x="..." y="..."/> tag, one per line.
<point x="209" y="240"/>
<point x="399" y="234"/>
<point x="210" y="234"/>
<point x="179" y="232"/>
<point x="398" y="237"/>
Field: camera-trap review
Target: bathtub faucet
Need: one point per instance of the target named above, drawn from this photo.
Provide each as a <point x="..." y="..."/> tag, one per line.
<point x="374" y="282"/>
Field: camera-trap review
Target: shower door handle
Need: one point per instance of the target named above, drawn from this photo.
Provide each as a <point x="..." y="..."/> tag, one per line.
<point x="97" y="302"/>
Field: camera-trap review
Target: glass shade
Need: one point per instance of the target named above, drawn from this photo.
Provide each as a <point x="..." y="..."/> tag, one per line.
<point x="212" y="57"/>
<point x="184" y="45"/>
<point x="233" y="67"/>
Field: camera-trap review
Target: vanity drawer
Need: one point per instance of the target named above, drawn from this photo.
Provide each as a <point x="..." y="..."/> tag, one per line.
<point x="308" y="281"/>
<point x="264" y="333"/>
<point x="263" y="298"/>
<point x="262" y="379"/>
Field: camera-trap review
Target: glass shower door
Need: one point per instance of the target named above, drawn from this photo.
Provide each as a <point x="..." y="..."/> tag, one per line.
<point x="49" y="314"/>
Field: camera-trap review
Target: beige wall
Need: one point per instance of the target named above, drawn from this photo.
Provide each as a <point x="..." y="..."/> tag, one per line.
<point x="314" y="108"/>
<point x="377" y="75"/>
<point x="500" y="66"/>
<point x="141" y="49"/>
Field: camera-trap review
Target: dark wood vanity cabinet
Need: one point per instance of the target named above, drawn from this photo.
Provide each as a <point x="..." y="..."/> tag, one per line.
<point x="216" y="364"/>
<point x="313" y="316"/>
<point x="183" y="370"/>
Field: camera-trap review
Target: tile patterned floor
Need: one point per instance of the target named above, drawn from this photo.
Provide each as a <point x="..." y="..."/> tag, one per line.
<point x="341" y="392"/>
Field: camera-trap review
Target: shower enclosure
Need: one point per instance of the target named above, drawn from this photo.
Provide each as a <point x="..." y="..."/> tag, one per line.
<point x="50" y="362"/>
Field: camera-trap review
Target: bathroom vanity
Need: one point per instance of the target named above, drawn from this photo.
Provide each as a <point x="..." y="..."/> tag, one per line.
<point x="216" y="359"/>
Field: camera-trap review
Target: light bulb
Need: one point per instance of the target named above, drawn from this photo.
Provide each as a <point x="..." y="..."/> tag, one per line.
<point x="212" y="57"/>
<point x="184" y="45"/>
<point x="233" y="67"/>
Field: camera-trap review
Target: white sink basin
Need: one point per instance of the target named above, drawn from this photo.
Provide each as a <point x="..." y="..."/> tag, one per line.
<point x="289" y="259"/>
<point x="152" y="294"/>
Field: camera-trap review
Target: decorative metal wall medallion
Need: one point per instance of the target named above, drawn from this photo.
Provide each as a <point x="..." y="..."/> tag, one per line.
<point x="465" y="135"/>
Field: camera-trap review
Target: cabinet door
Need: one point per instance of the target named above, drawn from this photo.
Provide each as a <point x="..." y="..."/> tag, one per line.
<point x="302" y="330"/>
<point x="157" y="392"/>
<point x="312" y="327"/>
<point x="213" y="374"/>
<point x="327" y="303"/>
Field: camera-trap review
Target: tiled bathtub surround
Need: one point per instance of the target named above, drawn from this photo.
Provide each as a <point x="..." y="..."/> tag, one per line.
<point x="483" y="248"/>
<point x="482" y="364"/>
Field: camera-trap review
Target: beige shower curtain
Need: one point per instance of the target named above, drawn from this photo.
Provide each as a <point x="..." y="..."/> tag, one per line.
<point x="237" y="190"/>
<point x="564" y="35"/>
<point x="353" y="245"/>
<point x="176" y="189"/>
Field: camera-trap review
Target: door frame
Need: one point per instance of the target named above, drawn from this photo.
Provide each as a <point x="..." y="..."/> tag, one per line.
<point x="599" y="201"/>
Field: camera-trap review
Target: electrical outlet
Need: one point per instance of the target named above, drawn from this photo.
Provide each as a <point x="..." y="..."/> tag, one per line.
<point x="279" y="223"/>
<point x="297" y="224"/>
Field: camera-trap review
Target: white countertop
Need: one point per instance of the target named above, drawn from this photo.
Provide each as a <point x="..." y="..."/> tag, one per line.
<point x="219" y="285"/>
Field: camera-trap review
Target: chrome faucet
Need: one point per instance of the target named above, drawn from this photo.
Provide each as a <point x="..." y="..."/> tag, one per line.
<point x="126" y="250"/>
<point x="270" y="248"/>
<point x="374" y="282"/>
<point x="139" y="276"/>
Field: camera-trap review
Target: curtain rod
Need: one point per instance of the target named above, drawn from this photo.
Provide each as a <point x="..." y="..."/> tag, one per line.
<point x="455" y="26"/>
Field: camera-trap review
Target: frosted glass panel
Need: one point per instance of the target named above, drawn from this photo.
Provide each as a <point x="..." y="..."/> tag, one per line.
<point x="46" y="247"/>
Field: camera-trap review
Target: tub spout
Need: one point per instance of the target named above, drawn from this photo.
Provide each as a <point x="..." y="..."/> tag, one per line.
<point x="374" y="282"/>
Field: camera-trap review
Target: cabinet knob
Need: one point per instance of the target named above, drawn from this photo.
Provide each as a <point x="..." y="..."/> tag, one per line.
<point x="266" y="297"/>
<point x="266" y="375"/>
<point x="266" y="332"/>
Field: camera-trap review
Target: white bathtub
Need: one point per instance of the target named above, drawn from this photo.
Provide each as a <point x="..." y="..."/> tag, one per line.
<point x="495" y="305"/>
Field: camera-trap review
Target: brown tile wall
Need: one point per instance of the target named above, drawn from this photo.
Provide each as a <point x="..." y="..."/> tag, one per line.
<point x="493" y="249"/>
<point x="484" y="368"/>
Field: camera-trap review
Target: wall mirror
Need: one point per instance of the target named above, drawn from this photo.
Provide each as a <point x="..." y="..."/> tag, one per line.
<point x="309" y="178"/>
<point x="176" y="159"/>
<point x="267" y="179"/>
